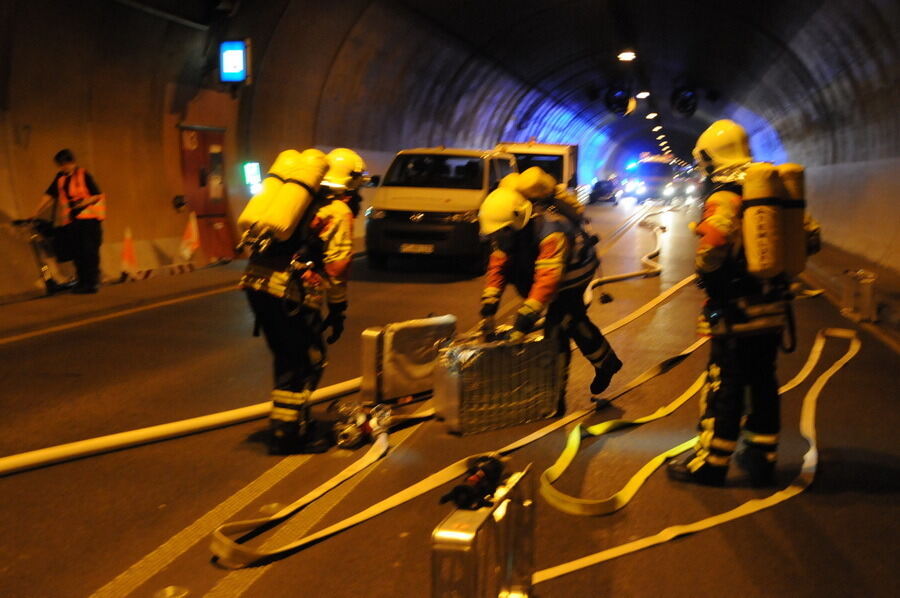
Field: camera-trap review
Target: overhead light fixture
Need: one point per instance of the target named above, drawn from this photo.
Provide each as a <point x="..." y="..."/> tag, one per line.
<point x="627" y="55"/>
<point x="656" y="128"/>
<point x="643" y="95"/>
<point x="661" y="137"/>
<point x="651" y="116"/>
<point x="619" y="101"/>
<point x="684" y="101"/>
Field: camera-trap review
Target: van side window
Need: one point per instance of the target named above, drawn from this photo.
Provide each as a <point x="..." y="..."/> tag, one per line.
<point x="499" y="169"/>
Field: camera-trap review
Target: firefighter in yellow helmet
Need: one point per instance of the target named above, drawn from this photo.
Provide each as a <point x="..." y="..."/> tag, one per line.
<point x="739" y="399"/>
<point x="291" y="283"/>
<point x="550" y="261"/>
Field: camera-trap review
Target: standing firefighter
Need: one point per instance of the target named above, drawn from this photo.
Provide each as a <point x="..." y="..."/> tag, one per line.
<point x="550" y="260"/>
<point x="752" y="240"/>
<point x="300" y="231"/>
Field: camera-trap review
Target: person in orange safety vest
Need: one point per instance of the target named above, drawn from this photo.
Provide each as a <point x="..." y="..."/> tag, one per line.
<point x="79" y="208"/>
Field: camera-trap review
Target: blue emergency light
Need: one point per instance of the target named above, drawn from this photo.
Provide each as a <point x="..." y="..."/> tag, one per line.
<point x="233" y="61"/>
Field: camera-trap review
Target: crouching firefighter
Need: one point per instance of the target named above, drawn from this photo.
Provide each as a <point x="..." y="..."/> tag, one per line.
<point x="550" y="261"/>
<point x="754" y="237"/>
<point x="299" y="230"/>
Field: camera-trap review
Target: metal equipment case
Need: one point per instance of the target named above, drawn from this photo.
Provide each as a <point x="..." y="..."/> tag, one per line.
<point x="488" y="385"/>
<point x="488" y="552"/>
<point x="398" y="360"/>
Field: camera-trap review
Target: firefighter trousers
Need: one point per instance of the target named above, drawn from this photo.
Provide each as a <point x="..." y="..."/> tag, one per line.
<point x="568" y="315"/>
<point x="294" y="336"/>
<point x="740" y="398"/>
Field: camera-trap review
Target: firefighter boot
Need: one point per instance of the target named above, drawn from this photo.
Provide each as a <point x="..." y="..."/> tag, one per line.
<point x="758" y="463"/>
<point x="288" y="421"/>
<point x="604" y="372"/>
<point x="691" y="468"/>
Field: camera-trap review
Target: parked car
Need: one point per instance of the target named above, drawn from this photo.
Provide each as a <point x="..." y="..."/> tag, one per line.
<point x="604" y="191"/>
<point x="427" y="203"/>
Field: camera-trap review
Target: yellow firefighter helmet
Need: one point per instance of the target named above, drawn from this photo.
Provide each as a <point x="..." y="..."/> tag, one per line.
<point x="534" y="183"/>
<point x="501" y="208"/>
<point x="723" y="145"/>
<point x="346" y="170"/>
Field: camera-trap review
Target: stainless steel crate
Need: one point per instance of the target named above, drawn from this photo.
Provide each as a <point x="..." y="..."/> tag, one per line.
<point x="398" y="359"/>
<point x="488" y="552"/>
<point x="488" y="385"/>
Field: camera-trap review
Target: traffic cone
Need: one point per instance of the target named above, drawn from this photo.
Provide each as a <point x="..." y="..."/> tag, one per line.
<point x="129" y="258"/>
<point x="190" y="240"/>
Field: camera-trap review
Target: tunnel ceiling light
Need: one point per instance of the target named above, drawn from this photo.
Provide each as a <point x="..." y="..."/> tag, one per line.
<point x="627" y="55"/>
<point x="656" y="128"/>
<point x="651" y="116"/>
<point x="661" y="137"/>
<point x="643" y="95"/>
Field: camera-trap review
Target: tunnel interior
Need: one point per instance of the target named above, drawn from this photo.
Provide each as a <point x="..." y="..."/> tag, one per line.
<point x="813" y="81"/>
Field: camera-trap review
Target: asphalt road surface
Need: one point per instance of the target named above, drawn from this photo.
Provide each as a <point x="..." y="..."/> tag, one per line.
<point x="136" y="522"/>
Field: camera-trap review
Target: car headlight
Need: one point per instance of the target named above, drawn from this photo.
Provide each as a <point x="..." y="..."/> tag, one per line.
<point x="691" y="188"/>
<point x="642" y="188"/>
<point x="469" y="216"/>
<point x="630" y="186"/>
<point x="375" y="214"/>
<point x="669" y="190"/>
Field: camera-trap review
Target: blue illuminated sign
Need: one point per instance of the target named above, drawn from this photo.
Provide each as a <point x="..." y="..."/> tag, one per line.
<point x="233" y="61"/>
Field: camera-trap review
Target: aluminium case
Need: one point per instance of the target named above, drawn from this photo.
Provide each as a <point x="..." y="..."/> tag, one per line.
<point x="398" y="360"/>
<point x="483" y="386"/>
<point x="487" y="552"/>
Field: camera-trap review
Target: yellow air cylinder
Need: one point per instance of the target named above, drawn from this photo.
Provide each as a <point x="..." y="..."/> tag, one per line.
<point x="792" y="214"/>
<point x="510" y="181"/>
<point x="534" y="183"/>
<point x="259" y="203"/>
<point x="290" y="203"/>
<point x="763" y="244"/>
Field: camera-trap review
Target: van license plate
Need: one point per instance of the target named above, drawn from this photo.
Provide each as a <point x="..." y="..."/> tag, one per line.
<point x="416" y="248"/>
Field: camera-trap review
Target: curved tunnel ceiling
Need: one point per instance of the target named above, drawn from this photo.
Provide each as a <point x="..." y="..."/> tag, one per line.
<point x="802" y="76"/>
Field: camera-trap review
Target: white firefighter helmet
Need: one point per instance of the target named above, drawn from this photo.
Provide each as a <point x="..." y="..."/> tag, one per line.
<point x="501" y="208"/>
<point x="346" y="170"/>
<point x="723" y="145"/>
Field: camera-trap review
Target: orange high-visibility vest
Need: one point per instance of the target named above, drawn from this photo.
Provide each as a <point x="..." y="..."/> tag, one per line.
<point x="75" y="183"/>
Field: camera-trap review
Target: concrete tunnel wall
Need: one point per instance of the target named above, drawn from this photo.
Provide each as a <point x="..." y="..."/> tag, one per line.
<point x="112" y="82"/>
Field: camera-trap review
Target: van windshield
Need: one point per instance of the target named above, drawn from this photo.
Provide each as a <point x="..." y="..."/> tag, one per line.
<point x="552" y="165"/>
<point x="435" y="170"/>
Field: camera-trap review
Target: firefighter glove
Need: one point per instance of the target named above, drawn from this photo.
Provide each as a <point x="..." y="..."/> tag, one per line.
<point x="527" y="316"/>
<point x="490" y="301"/>
<point x="335" y="321"/>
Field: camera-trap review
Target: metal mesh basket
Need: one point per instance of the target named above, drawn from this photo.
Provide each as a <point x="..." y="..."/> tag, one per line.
<point x="488" y="385"/>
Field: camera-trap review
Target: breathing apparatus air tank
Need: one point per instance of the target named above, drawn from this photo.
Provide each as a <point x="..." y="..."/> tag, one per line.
<point x="762" y="227"/>
<point x="293" y="197"/>
<point x="259" y="203"/>
<point x="792" y="215"/>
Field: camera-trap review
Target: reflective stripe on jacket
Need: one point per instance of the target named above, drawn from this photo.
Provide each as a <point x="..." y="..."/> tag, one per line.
<point x="73" y="188"/>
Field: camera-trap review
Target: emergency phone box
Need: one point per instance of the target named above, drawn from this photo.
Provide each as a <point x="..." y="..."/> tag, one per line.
<point x="485" y="385"/>
<point x="487" y="552"/>
<point x="398" y="360"/>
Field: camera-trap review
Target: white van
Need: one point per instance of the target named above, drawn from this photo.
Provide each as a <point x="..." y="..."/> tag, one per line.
<point x="557" y="159"/>
<point x="427" y="203"/>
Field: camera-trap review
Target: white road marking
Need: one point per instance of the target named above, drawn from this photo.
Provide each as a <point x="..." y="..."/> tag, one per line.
<point x="156" y="561"/>
<point x="237" y="582"/>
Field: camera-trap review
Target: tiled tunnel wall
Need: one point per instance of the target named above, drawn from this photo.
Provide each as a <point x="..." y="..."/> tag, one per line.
<point x="113" y="82"/>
